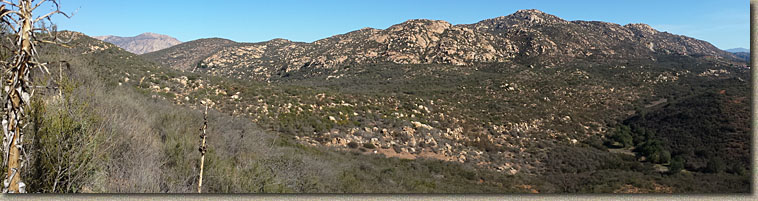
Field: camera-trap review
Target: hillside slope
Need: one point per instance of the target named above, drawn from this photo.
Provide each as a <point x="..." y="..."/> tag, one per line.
<point x="187" y="56"/>
<point x="523" y="114"/>
<point x="147" y="142"/>
<point x="509" y="94"/>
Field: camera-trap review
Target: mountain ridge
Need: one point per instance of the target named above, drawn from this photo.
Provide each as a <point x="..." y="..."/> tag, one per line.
<point x="185" y="56"/>
<point x="739" y="49"/>
<point x="142" y="43"/>
<point x="530" y="36"/>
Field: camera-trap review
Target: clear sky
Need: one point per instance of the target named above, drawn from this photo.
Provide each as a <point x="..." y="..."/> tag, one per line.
<point x="725" y="23"/>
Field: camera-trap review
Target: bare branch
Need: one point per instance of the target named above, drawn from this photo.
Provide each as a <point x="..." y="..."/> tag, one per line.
<point x="52" y="42"/>
<point x="9" y="3"/>
<point x="40" y="3"/>
<point x="6" y="13"/>
<point x="47" y="16"/>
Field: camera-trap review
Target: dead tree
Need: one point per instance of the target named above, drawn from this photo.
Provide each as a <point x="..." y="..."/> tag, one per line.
<point x="19" y="18"/>
<point x="203" y="148"/>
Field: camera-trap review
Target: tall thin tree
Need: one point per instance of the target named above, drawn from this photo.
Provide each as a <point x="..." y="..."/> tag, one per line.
<point x="203" y="148"/>
<point x="19" y="18"/>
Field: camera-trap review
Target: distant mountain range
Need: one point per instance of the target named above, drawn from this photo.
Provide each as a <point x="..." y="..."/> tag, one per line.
<point x="143" y="43"/>
<point x="739" y="49"/>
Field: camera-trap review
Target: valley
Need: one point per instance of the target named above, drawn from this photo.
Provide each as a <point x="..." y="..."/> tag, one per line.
<point x="524" y="103"/>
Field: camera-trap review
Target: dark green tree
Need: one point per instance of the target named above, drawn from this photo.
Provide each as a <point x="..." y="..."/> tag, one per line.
<point x="623" y="135"/>
<point x="715" y="165"/>
<point x="677" y="165"/>
<point x="665" y="156"/>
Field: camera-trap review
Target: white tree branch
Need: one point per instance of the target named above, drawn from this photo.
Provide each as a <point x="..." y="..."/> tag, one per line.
<point x="38" y="4"/>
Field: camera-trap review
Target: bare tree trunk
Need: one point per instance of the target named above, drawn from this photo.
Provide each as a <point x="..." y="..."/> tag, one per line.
<point x="202" y="149"/>
<point x="15" y="82"/>
<point x="17" y="96"/>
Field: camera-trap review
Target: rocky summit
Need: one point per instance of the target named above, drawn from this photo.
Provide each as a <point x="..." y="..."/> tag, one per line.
<point x="143" y="43"/>
<point x="527" y="35"/>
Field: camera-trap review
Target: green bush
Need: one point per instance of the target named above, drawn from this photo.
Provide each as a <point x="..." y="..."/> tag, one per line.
<point x="622" y="135"/>
<point x="654" y="152"/>
<point x="352" y="145"/>
<point x="665" y="156"/>
<point x="67" y="144"/>
<point x="369" y="145"/>
<point x="715" y="165"/>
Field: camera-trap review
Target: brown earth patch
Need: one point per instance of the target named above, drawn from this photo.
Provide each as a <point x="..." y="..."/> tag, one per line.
<point x="529" y="188"/>
<point x="405" y="155"/>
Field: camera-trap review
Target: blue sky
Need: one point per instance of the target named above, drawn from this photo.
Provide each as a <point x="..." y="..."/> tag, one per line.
<point x="725" y="23"/>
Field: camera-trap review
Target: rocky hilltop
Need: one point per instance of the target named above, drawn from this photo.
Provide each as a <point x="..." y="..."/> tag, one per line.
<point x="143" y="43"/>
<point x="185" y="56"/>
<point x="525" y="36"/>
